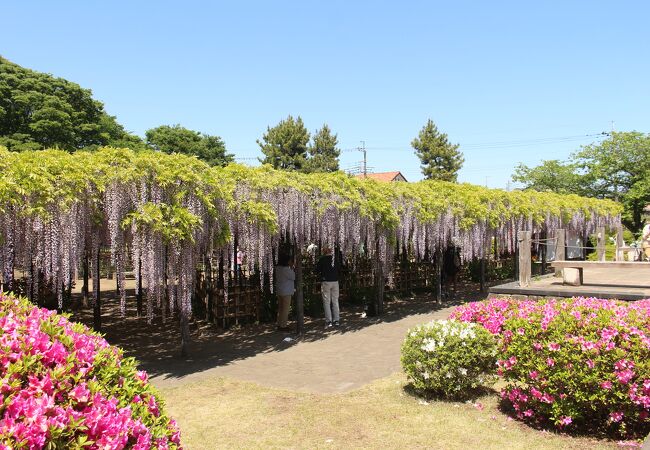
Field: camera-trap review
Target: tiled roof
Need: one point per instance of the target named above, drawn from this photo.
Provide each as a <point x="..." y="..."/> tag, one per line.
<point x="384" y="176"/>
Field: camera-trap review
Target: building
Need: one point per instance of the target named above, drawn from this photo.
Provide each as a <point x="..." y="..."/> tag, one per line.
<point x="384" y="176"/>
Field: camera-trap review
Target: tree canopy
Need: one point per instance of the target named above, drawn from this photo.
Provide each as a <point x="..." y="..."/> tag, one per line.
<point x="285" y="145"/>
<point x="550" y="176"/>
<point x="177" y="139"/>
<point x="616" y="168"/>
<point x="323" y="151"/>
<point x="38" y="111"/>
<point x="441" y="160"/>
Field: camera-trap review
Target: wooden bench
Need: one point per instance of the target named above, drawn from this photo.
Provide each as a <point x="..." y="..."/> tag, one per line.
<point x="573" y="280"/>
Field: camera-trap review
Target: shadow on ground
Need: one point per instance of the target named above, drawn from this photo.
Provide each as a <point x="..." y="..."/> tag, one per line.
<point x="156" y="345"/>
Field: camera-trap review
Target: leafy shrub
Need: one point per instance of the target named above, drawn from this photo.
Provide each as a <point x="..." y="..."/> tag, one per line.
<point x="449" y="358"/>
<point x="581" y="364"/>
<point x="64" y="386"/>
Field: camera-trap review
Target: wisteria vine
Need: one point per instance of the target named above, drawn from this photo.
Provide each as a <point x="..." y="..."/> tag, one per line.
<point x="162" y="215"/>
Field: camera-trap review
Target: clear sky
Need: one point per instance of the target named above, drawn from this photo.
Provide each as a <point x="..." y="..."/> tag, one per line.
<point x="510" y="81"/>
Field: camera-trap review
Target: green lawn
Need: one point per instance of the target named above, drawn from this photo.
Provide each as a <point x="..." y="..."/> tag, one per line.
<point x="227" y="413"/>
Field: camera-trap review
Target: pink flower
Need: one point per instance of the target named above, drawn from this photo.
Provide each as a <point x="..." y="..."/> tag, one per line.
<point x="550" y="362"/>
<point x="547" y="398"/>
<point x="142" y="375"/>
<point x="533" y="375"/>
<point x="552" y="346"/>
<point x="590" y="363"/>
<point x="624" y="376"/>
<point x="80" y="393"/>
<point x="616" y="416"/>
<point x="565" y="420"/>
<point x="606" y="385"/>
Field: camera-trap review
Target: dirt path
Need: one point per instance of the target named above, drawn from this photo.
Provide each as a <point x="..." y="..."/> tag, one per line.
<point x="361" y="350"/>
<point x="324" y="361"/>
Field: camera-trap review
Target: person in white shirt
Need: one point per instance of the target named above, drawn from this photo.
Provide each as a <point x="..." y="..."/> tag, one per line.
<point x="285" y="279"/>
<point x="645" y="239"/>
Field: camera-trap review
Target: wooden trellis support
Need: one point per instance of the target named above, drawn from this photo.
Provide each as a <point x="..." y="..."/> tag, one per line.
<point x="524" y="241"/>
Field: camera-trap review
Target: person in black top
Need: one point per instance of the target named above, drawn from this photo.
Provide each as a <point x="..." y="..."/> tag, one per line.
<point x="451" y="268"/>
<point x="329" y="275"/>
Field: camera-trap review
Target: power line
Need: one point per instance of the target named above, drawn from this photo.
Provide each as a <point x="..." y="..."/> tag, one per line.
<point x="514" y="143"/>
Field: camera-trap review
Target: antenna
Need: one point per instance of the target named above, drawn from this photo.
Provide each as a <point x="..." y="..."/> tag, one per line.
<point x="364" y="167"/>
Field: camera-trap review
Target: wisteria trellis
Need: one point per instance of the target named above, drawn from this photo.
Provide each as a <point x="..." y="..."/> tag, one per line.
<point x="162" y="214"/>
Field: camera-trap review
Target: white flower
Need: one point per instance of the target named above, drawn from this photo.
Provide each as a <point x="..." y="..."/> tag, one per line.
<point x="462" y="371"/>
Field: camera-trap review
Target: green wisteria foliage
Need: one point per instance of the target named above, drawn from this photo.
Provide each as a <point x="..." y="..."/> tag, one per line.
<point x="162" y="214"/>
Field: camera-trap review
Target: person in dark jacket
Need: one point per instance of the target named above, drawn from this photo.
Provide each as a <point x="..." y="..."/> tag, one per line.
<point x="328" y="271"/>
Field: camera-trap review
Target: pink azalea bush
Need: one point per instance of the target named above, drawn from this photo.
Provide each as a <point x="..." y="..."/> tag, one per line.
<point x="64" y="386"/>
<point x="581" y="363"/>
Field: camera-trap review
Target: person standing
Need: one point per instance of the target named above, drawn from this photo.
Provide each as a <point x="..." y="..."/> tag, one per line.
<point x="645" y="239"/>
<point x="329" y="275"/>
<point x="285" y="279"/>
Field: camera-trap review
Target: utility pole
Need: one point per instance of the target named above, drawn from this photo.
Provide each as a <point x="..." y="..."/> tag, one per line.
<point x="364" y="168"/>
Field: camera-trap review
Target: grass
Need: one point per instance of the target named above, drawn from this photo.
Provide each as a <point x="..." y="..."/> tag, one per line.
<point x="227" y="413"/>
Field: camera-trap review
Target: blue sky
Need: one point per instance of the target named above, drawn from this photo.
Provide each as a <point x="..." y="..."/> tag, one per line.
<point x="510" y="81"/>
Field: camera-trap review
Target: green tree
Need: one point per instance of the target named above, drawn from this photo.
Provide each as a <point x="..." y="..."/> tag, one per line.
<point x="38" y="110"/>
<point x="552" y="176"/>
<point x="176" y="139"/>
<point x="441" y="160"/>
<point x="323" y="153"/>
<point x="618" y="168"/>
<point x="285" y="145"/>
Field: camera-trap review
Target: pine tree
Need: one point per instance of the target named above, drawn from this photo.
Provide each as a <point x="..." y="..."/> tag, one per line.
<point x="285" y="145"/>
<point x="440" y="159"/>
<point x="324" y="155"/>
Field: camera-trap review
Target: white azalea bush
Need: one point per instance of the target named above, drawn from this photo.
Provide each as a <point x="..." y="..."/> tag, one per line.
<point x="449" y="358"/>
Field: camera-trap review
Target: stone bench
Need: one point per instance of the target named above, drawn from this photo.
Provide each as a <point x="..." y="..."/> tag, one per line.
<point x="572" y="270"/>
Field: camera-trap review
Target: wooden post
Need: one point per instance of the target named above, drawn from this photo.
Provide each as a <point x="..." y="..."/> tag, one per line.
<point x="138" y="297"/>
<point x="438" y="272"/>
<point x="620" y="254"/>
<point x="543" y="236"/>
<point x="300" y="299"/>
<point x="516" y="258"/>
<point x="523" y="239"/>
<point x="186" y="338"/>
<point x="97" y="306"/>
<point x="482" y="274"/>
<point x="235" y="267"/>
<point x="560" y="248"/>
<point x="84" y="288"/>
<point x="209" y="288"/>
<point x="600" y="243"/>
<point x="379" y="282"/>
